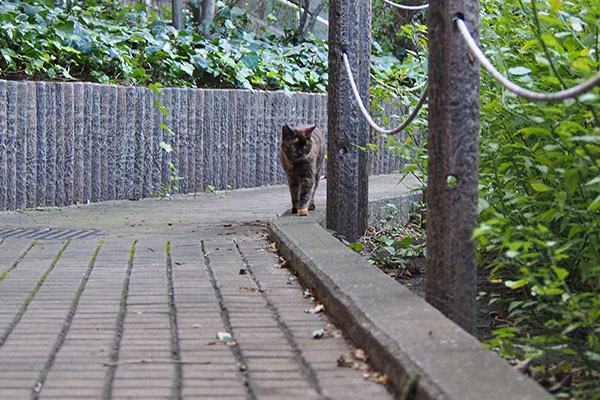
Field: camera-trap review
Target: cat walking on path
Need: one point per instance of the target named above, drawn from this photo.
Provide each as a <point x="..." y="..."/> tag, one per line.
<point x="302" y="153"/>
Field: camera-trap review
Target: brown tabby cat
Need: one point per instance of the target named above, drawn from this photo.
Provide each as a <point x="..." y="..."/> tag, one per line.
<point x="302" y="152"/>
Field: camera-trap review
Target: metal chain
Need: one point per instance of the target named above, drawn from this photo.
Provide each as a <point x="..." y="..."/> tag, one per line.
<point x="404" y="7"/>
<point x="528" y="94"/>
<point x="365" y="113"/>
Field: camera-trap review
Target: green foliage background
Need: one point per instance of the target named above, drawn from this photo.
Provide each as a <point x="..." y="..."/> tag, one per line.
<point x="540" y="185"/>
<point x="108" y="42"/>
<point x="539" y="203"/>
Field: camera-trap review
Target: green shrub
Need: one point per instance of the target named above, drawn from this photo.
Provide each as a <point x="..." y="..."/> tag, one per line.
<point x="539" y="222"/>
<point x="112" y="43"/>
<point x="540" y="179"/>
<point x="109" y="42"/>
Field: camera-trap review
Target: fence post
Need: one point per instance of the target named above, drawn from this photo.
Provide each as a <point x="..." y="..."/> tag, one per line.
<point x="177" y="12"/>
<point x="347" y="177"/>
<point x="451" y="195"/>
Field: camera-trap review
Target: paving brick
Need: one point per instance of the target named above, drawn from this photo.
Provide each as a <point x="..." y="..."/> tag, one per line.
<point x="214" y="391"/>
<point x="15" y="393"/>
<point x="75" y="394"/>
<point x="156" y="373"/>
<point x="274" y="336"/>
<point x="141" y="392"/>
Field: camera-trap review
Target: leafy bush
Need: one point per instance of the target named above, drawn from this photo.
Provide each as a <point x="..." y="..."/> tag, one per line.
<point x="386" y="20"/>
<point x="112" y="43"/>
<point x="401" y="84"/>
<point x="109" y="42"/>
<point x="539" y="231"/>
<point x="540" y="181"/>
<point x="396" y="250"/>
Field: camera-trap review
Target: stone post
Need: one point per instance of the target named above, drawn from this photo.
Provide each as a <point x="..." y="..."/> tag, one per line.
<point x="451" y="195"/>
<point x="347" y="177"/>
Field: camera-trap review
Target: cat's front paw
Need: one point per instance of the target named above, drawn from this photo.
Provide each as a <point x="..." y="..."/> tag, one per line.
<point x="294" y="210"/>
<point x="311" y="206"/>
<point x="303" y="212"/>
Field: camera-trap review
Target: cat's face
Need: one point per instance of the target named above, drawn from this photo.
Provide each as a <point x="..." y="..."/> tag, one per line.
<point x="296" y="143"/>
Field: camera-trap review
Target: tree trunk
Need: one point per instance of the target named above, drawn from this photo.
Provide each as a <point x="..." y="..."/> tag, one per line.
<point x="451" y="284"/>
<point x="208" y="11"/>
<point x="347" y="129"/>
<point x="177" y="11"/>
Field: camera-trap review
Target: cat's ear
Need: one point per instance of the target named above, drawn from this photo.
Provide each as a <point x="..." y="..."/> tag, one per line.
<point x="287" y="133"/>
<point x="308" y="131"/>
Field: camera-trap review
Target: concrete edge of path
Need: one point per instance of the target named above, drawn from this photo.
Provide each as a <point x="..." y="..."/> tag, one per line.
<point x="406" y="338"/>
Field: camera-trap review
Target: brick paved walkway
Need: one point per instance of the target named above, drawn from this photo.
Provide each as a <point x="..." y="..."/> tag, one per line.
<point x="134" y="310"/>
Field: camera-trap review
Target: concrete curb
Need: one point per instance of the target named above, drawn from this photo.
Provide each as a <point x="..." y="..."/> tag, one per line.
<point x="380" y="214"/>
<point x="404" y="336"/>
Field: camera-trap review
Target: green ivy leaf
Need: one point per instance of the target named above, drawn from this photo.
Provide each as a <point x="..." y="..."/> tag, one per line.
<point x="250" y="60"/>
<point x="187" y="68"/>
<point x="155" y="87"/>
<point x="162" y="108"/>
<point x="356" y="246"/>
<point x="166" y="128"/>
<point x="561" y="273"/>
<point x="166" y="147"/>
<point x="511" y="254"/>
<point x="540" y="187"/>
<point x="595" y="205"/>
<point x="519" y="70"/>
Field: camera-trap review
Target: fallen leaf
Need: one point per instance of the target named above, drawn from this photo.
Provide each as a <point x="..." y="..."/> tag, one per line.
<point x="319" y="333"/>
<point x="345" y="361"/>
<point x="522" y="366"/>
<point x="332" y="331"/>
<point x="328" y="331"/>
<point x="224" y="336"/>
<point x="359" y="354"/>
<point x="315" y="310"/>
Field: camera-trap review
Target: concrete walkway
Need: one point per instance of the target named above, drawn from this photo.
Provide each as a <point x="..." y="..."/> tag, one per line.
<point x="160" y="299"/>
